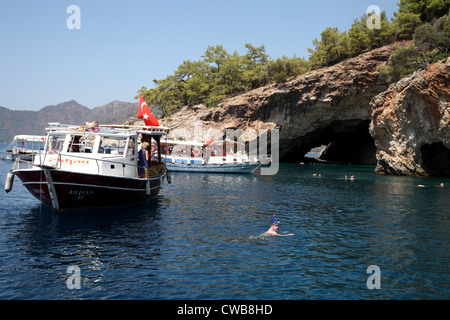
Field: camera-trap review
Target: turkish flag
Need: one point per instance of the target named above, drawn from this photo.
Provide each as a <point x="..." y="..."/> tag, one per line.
<point x="145" y="113"/>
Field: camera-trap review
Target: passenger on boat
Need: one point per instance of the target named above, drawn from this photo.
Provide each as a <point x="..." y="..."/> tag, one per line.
<point x="143" y="160"/>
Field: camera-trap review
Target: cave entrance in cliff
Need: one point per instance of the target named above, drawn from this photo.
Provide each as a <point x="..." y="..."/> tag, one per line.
<point x="347" y="142"/>
<point x="436" y="159"/>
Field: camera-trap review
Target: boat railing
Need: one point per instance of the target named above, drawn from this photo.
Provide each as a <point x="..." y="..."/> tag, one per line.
<point x="20" y="163"/>
<point x="59" y="162"/>
<point x="9" y="150"/>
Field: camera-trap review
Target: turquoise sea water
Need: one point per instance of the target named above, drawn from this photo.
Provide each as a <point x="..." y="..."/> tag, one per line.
<point x="201" y="239"/>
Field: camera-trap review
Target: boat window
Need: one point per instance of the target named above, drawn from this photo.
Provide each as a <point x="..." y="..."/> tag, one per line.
<point x="75" y="144"/>
<point x="80" y="143"/>
<point x="55" y="143"/>
<point x="112" y="145"/>
<point x="215" y="151"/>
<point x="87" y="144"/>
<point x="179" y="150"/>
<point x="132" y="147"/>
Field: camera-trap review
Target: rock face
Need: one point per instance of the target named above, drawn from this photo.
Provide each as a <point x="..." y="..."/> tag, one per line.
<point x="329" y="106"/>
<point x="411" y="124"/>
<point x="403" y="129"/>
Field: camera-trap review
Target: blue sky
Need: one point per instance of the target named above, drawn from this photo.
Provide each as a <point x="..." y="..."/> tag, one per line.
<point x="124" y="45"/>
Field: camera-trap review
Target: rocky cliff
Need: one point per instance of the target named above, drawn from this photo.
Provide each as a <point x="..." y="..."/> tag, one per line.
<point x="411" y="124"/>
<point x="402" y="128"/>
<point x="330" y="106"/>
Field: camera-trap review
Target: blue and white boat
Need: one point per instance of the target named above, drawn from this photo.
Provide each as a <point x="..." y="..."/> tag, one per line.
<point x="191" y="156"/>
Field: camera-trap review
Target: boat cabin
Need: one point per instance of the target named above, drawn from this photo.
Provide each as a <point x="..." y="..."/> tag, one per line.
<point x="206" y="153"/>
<point x="104" y="150"/>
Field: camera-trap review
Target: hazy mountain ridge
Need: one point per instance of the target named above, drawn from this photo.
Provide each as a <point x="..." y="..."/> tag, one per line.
<point x="15" y="122"/>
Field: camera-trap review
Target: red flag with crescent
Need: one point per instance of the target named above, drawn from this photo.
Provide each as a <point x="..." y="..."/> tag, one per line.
<point x="145" y="113"/>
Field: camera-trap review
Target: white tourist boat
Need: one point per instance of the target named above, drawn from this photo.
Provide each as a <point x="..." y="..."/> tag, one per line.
<point x="24" y="147"/>
<point x="191" y="156"/>
<point x="91" y="166"/>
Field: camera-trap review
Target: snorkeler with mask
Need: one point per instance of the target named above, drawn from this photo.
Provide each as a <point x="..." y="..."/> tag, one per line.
<point x="273" y="230"/>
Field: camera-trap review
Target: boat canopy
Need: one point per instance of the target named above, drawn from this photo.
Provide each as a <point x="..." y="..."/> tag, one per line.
<point x="30" y="138"/>
<point x="106" y="129"/>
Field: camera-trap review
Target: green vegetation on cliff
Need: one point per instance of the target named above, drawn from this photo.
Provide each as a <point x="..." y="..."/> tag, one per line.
<point x="425" y="21"/>
<point x="220" y="74"/>
<point x="431" y="44"/>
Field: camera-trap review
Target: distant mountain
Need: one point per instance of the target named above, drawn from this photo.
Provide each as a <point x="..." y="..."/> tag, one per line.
<point x="14" y="122"/>
<point x="115" y="112"/>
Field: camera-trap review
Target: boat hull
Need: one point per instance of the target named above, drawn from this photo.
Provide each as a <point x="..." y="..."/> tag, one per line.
<point x="236" y="168"/>
<point x="68" y="190"/>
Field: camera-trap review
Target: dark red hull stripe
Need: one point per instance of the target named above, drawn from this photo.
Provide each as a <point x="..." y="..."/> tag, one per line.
<point x="76" y="190"/>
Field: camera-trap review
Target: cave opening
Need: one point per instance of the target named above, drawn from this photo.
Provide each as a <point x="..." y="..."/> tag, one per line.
<point x="436" y="159"/>
<point x="346" y="142"/>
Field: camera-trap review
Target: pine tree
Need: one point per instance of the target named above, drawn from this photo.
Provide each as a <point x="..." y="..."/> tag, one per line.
<point x="413" y="13"/>
<point x="330" y="49"/>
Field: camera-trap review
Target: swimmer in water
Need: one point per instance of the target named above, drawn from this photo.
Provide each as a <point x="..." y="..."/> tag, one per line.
<point x="273" y="230"/>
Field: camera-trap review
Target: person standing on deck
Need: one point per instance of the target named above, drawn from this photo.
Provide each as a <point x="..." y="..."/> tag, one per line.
<point x="143" y="160"/>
